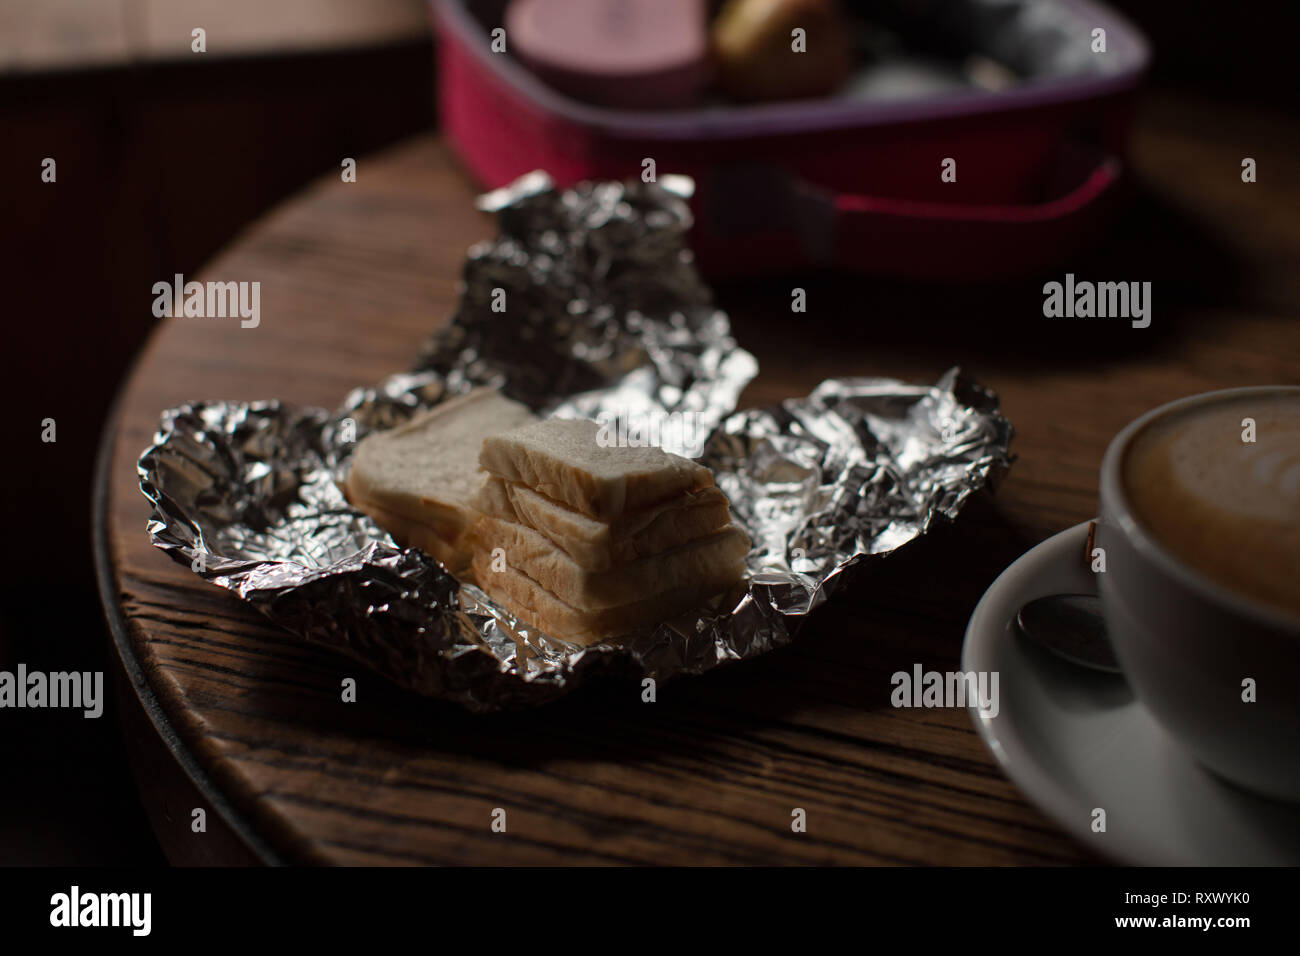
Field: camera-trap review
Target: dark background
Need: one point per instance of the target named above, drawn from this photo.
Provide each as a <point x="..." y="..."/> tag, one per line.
<point x="161" y="162"/>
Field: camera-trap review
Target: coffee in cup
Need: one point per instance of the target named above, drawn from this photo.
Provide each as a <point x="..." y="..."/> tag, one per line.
<point x="1199" y="527"/>
<point x="1217" y="484"/>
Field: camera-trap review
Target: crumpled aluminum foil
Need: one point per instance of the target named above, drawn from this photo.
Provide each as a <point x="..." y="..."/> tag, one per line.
<point x="606" y="315"/>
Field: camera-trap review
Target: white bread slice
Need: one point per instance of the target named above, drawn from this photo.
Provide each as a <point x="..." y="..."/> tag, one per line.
<point x="565" y="460"/>
<point x="533" y="605"/>
<point x="717" y="557"/>
<point x="413" y="534"/>
<point x="597" y="545"/>
<point x="418" y="480"/>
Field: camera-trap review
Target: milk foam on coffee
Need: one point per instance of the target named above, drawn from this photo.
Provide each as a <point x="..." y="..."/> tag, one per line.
<point x="1230" y="508"/>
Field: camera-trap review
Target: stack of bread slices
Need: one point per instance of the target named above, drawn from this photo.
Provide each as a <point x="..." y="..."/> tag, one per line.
<point x="581" y="539"/>
<point x="588" y="540"/>
<point x="418" y="480"/>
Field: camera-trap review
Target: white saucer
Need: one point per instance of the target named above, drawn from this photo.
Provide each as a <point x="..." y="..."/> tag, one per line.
<point x="1073" y="739"/>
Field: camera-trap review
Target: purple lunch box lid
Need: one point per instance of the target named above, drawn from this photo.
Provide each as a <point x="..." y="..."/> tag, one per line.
<point x="1123" y="39"/>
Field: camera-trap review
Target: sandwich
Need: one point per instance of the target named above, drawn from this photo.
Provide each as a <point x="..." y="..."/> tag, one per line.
<point x="586" y="540"/>
<point x="576" y="537"/>
<point x="418" y="480"/>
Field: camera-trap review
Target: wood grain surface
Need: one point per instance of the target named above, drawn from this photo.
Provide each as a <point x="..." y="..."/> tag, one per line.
<point x="76" y="34"/>
<point x="354" y="276"/>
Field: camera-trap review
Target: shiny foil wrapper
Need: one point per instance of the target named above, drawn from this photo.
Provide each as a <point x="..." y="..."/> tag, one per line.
<point x="605" y="315"/>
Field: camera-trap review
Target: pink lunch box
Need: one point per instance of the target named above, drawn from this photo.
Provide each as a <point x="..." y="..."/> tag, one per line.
<point x="851" y="181"/>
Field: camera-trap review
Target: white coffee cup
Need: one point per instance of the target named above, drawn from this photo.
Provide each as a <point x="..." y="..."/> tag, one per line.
<point x="1187" y="644"/>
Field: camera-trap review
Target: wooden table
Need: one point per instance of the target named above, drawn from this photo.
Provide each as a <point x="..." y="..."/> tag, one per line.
<point x="242" y="720"/>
